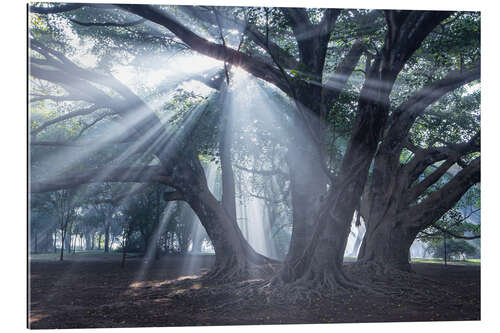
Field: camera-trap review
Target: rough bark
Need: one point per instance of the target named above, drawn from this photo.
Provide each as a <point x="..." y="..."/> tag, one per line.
<point x="388" y="244"/>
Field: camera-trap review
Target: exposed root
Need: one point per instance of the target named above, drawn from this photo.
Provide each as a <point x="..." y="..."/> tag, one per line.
<point x="393" y="282"/>
<point x="259" y="282"/>
<point x="313" y="286"/>
<point x="228" y="272"/>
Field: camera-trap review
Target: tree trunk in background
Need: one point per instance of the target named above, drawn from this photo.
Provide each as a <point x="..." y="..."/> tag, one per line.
<point x="197" y="245"/>
<point x="157" y="250"/>
<point x="36" y="242"/>
<point x="445" y="250"/>
<point x="88" y="242"/>
<point x="68" y="242"/>
<point x="99" y="241"/>
<point x="106" y="237"/>
<point x="156" y="238"/>
<point x="126" y="237"/>
<point x="357" y="243"/>
<point x="63" y="240"/>
<point x="48" y="241"/>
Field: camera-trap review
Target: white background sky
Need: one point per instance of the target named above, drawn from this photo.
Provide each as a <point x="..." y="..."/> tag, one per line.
<point x="14" y="165"/>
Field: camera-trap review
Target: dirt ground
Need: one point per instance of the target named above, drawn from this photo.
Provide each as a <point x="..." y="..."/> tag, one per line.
<point x="94" y="291"/>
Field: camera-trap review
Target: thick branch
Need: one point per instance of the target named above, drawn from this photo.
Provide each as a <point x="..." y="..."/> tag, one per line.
<point x="312" y="39"/>
<point x="426" y="157"/>
<point x="406" y="32"/>
<point x="439" y="202"/>
<point x="147" y="174"/>
<point x="108" y="24"/>
<point x="257" y="68"/>
<point x="404" y="117"/>
<point x="337" y="81"/>
<point x="78" y="144"/>
<point x="77" y="81"/>
<point x="455" y="235"/>
<point x="418" y="189"/>
<point x="55" y="9"/>
<point x="54" y="98"/>
<point x="251" y="31"/>
<point x="81" y="112"/>
<point x="173" y="196"/>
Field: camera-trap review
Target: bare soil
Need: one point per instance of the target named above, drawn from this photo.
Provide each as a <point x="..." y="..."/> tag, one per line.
<point x="94" y="291"/>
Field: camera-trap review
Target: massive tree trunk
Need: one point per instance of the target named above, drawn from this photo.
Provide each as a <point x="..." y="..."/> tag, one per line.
<point x="321" y="263"/>
<point x="388" y="245"/>
<point x="235" y="258"/>
<point x="225" y="144"/>
<point x="395" y="219"/>
<point x="308" y="177"/>
<point x="308" y="183"/>
<point x="393" y="207"/>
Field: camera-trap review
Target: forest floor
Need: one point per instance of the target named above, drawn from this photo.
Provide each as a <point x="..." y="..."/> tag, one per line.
<point x="92" y="290"/>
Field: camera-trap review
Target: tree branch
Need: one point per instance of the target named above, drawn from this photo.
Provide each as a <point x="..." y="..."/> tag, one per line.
<point x="108" y="24"/>
<point x="418" y="189"/>
<point x="255" y="67"/>
<point x="173" y="196"/>
<point x="337" y="81"/>
<point x="405" y="115"/>
<point x="439" y="202"/>
<point x="81" y="112"/>
<point x="146" y="174"/>
<point x="451" y="233"/>
<point x="426" y="157"/>
<point x="55" y="9"/>
<point x="250" y="30"/>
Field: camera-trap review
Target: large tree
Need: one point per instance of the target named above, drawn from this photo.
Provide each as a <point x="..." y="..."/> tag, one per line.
<point x="298" y="62"/>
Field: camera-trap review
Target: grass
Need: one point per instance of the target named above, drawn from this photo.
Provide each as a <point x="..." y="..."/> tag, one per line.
<point x="55" y="256"/>
<point x="114" y="254"/>
<point x="476" y="262"/>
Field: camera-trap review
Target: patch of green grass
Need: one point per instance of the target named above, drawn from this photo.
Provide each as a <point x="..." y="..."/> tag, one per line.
<point x="450" y="262"/>
<point x="77" y="254"/>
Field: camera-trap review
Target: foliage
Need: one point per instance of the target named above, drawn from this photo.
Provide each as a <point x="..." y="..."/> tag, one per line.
<point x="457" y="248"/>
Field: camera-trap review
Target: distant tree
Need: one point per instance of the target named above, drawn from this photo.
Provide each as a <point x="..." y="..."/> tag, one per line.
<point x="457" y="248"/>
